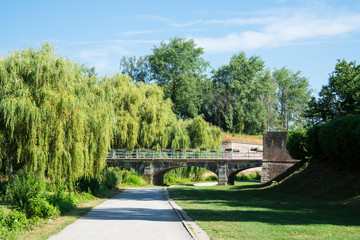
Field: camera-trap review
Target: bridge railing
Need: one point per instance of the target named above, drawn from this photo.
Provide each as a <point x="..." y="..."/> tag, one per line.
<point x="190" y="153"/>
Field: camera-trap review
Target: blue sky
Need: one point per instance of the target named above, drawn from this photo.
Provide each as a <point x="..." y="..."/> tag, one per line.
<point x="306" y="36"/>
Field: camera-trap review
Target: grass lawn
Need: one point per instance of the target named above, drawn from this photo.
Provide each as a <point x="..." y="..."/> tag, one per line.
<point x="245" y="212"/>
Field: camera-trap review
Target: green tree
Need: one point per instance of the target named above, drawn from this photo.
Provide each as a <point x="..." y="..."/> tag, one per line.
<point x="240" y="92"/>
<point x="292" y="95"/>
<point x="137" y="68"/>
<point x="179" y="69"/>
<point x="340" y="97"/>
<point x="54" y="118"/>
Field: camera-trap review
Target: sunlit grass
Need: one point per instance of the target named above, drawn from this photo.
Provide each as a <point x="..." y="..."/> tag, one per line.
<point x="245" y="212"/>
<point x="256" y="139"/>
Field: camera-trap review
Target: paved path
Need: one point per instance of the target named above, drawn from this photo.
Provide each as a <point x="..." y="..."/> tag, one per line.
<point x="142" y="213"/>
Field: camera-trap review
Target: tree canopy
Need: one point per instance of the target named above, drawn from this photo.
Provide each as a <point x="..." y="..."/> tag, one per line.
<point x="58" y="119"/>
<point x="54" y="119"/>
<point x="292" y="94"/>
<point x="179" y="69"/>
<point x="340" y="97"/>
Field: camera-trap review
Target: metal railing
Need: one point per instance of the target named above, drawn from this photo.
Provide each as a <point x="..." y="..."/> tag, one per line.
<point x="179" y="153"/>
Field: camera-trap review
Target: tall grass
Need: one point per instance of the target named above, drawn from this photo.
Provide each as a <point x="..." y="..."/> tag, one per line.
<point x="256" y="176"/>
<point x="185" y="175"/>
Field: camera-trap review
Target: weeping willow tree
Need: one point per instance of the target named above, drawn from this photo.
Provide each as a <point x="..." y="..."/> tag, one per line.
<point x="146" y="120"/>
<point x="143" y="118"/>
<point x="54" y="118"/>
<point x="202" y="134"/>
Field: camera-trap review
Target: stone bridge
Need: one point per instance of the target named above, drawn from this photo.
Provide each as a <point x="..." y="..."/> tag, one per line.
<point x="154" y="164"/>
<point x="155" y="169"/>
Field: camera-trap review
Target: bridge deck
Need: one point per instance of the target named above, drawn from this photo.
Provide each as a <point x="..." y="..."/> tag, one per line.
<point x="168" y="154"/>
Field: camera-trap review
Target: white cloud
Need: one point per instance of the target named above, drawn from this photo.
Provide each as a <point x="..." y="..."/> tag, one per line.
<point x="283" y="31"/>
<point x="229" y="21"/>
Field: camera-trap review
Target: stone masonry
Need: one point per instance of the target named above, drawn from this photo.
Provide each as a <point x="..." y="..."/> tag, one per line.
<point x="276" y="159"/>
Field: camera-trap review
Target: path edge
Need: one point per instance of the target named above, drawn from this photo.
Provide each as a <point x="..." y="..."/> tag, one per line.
<point x="186" y="220"/>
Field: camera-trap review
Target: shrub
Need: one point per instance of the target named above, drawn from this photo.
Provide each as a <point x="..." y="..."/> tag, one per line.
<point x="296" y="144"/>
<point x="86" y="184"/>
<point x="26" y="192"/>
<point x="112" y="177"/>
<point x="313" y="145"/>
<point x="3" y="185"/>
<point x="40" y="207"/>
<point x="132" y="180"/>
<point x="340" y="140"/>
<point x="15" y="220"/>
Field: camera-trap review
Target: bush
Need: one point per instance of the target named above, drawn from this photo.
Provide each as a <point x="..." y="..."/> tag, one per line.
<point x="340" y="140"/>
<point x="3" y="186"/>
<point x="313" y="145"/>
<point x="132" y="180"/>
<point x="40" y="207"/>
<point x="15" y="220"/>
<point x="86" y="184"/>
<point x="296" y="144"/>
<point x="112" y="177"/>
<point x="62" y="201"/>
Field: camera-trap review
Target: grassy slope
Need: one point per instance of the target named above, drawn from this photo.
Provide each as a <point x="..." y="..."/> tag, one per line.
<point x="242" y="138"/>
<point x="324" y="180"/>
<point x="320" y="202"/>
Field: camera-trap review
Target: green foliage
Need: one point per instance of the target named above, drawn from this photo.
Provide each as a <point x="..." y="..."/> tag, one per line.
<point x="145" y="119"/>
<point x="292" y="94"/>
<point x="63" y="202"/>
<point x="296" y="144"/>
<point x="179" y="69"/>
<point x="202" y="134"/>
<point x="112" y="177"/>
<point x="15" y="220"/>
<point x="239" y="94"/>
<point x="54" y="117"/>
<point x="340" y="140"/>
<point x="212" y="178"/>
<point x="337" y="140"/>
<point x="138" y="69"/>
<point x="3" y="187"/>
<point x="184" y="175"/>
<point x="340" y="97"/>
<point x="40" y="207"/>
<point x="313" y="145"/>
<point x="132" y="180"/>
<point x="27" y="193"/>
<point x="24" y="187"/>
<point x="248" y="177"/>
<point x="88" y="184"/>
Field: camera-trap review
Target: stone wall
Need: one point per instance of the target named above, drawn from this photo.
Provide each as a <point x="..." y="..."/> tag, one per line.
<point x="276" y="158"/>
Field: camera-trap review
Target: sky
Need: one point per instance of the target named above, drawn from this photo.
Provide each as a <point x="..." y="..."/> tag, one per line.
<point x="301" y="35"/>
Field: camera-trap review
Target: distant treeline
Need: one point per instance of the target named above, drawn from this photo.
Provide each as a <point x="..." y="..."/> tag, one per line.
<point x="242" y="96"/>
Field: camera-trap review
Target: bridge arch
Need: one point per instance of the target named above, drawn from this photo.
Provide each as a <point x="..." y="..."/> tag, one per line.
<point x="161" y="169"/>
<point x="232" y="175"/>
